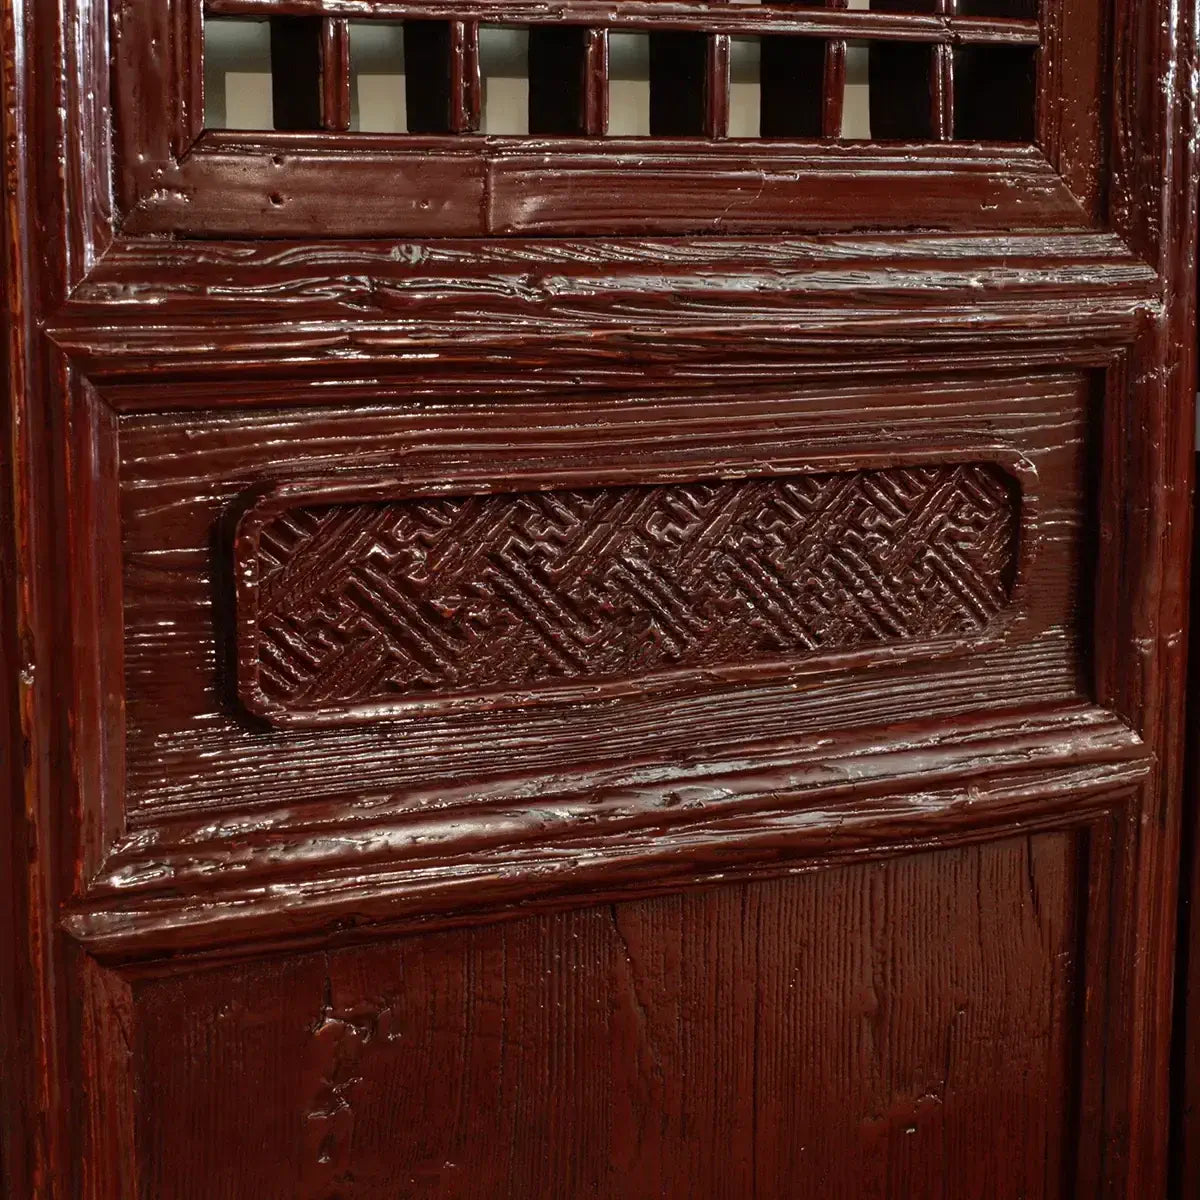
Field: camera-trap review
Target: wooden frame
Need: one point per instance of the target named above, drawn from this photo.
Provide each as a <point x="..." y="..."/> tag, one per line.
<point x="101" y="322"/>
<point x="175" y="176"/>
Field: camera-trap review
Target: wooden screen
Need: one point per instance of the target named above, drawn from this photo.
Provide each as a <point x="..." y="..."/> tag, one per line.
<point x="593" y="597"/>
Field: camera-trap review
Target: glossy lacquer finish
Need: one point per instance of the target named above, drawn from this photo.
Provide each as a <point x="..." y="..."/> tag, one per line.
<point x="574" y="665"/>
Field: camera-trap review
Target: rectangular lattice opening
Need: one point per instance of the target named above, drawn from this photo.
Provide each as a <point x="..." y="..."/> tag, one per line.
<point x="745" y="87"/>
<point x="430" y="54"/>
<point x="678" y="84"/>
<point x="296" y="72"/>
<point x="795" y="86"/>
<point x="504" y="78"/>
<point x="237" y="74"/>
<point x="567" y="68"/>
<point x="903" y="85"/>
<point x="855" y="124"/>
<point x="629" y="84"/>
<point x="1020" y="10"/>
<point x="377" y="80"/>
<point x="995" y="91"/>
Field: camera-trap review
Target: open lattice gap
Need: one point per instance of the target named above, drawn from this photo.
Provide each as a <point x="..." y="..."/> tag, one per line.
<point x="664" y="70"/>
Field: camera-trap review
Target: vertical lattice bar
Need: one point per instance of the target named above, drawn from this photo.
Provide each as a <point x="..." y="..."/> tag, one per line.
<point x="834" y="95"/>
<point x="335" y="74"/>
<point x="942" y="98"/>
<point x="941" y="83"/>
<point x="678" y="84"/>
<point x="716" y="121"/>
<point x="465" y="88"/>
<point x="595" y="83"/>
<point x="296" y="72"/>
<point x="794" y="87"/>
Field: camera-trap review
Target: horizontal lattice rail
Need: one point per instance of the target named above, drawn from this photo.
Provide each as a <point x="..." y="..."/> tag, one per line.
<point x="737" y="18"/>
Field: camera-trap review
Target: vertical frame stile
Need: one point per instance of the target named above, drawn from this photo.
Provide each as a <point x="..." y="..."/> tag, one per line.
<point x="1101" y="988"/>
<point x="941" y="81"/>
<point x="144" y="138"/>
<point x="105" y="1011"/>
<point x="189" y="109"/>
<point x="1145" y="498"/>
<point x="595" y="83"/>
<point x="716" y="123"/>
<point x="89" y="173"/>
<point x="93" y="533"/>
<point x="335" y="74"/>
<point x="465" y="84"/>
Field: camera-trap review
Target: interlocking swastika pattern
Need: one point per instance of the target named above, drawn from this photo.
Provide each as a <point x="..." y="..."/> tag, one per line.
<point x="365" y="603"/>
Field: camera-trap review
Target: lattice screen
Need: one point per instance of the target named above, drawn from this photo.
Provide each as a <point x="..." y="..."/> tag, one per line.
<point x="965" y="72"/>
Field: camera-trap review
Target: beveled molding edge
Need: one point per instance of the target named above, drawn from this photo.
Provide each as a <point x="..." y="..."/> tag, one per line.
<point x="390" y="291"/>
<point x="372" y="594"/>
<point x="212" y="887"/>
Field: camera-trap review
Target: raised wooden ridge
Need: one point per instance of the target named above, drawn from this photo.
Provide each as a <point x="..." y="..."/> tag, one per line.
<point x="213" y="885"/>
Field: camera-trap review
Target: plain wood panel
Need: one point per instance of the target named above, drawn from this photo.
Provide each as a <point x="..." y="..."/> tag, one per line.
<point x="888" y="1029"/>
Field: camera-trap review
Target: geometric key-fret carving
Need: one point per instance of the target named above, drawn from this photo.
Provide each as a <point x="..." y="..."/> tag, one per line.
<point x="355" y="610"/>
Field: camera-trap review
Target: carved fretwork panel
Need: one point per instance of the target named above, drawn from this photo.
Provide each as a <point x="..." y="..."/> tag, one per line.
<point x="353" y="609"/>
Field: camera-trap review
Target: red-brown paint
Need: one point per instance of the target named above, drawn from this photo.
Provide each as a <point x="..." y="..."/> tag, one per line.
<point x="893" y="921"/>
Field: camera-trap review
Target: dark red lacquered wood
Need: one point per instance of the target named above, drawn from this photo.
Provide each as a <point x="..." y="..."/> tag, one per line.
<point x="852" y="898"/>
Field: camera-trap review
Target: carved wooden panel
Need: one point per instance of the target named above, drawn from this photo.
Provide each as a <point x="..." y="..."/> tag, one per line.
<point x="890" y="913"/>
<point x="353" y="609"/>
<point x="185" y="481"/>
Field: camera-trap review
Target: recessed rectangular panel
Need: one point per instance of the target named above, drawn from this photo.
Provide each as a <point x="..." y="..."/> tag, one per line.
<point x="566" y="581"/>
<point x="357" y="610"/>
<point x="897" y="1028"/>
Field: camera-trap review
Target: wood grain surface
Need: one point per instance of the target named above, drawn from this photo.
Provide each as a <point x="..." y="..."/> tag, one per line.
<point x="885" y="1029"/>
<point x="897" y="920"/>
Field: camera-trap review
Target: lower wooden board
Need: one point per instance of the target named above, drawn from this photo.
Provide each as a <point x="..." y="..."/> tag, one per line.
<point x="898" y="1028"/>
